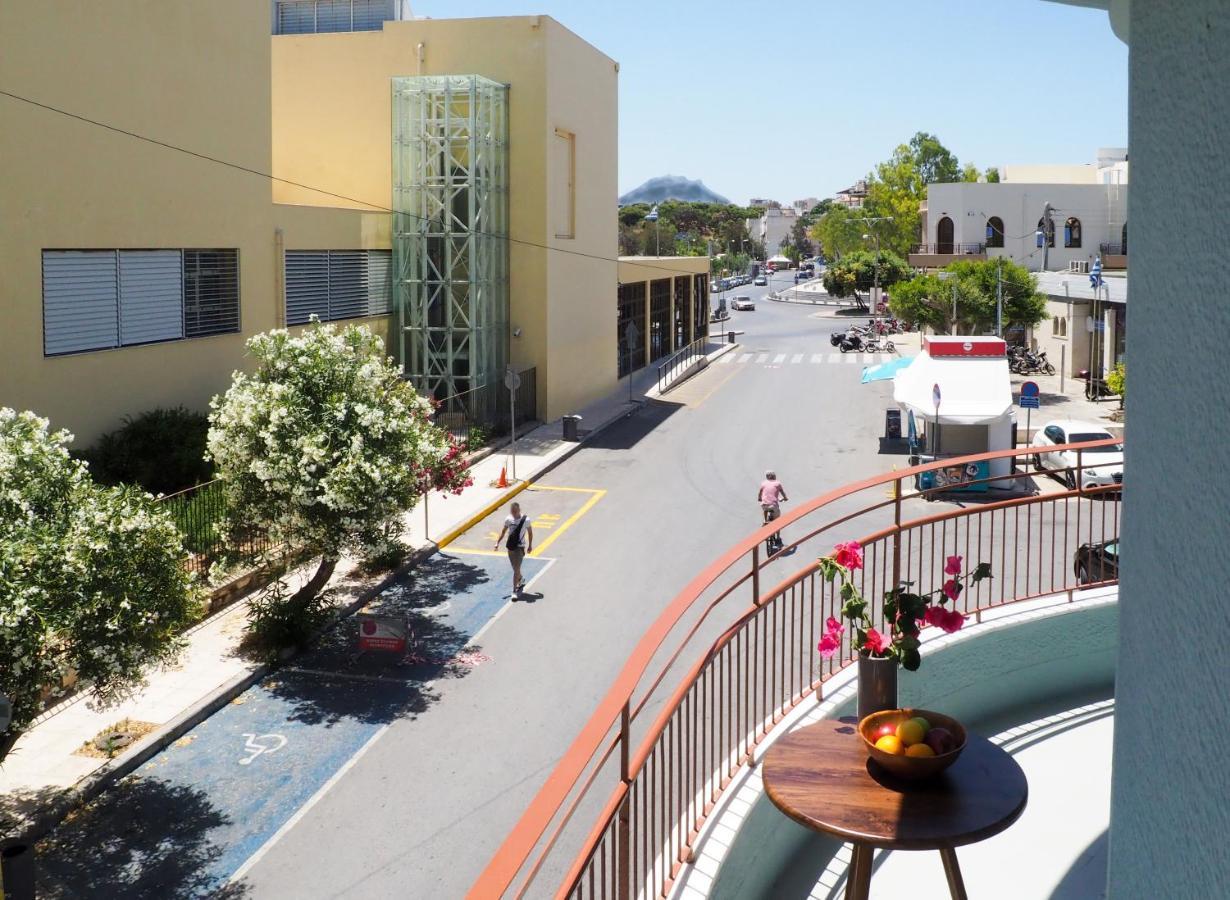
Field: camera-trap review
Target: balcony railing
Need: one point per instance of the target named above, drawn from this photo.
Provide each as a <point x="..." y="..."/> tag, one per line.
<point x="946" y="249"/>
<point x="1112" y="249"/>
<point x="736" y="651"/>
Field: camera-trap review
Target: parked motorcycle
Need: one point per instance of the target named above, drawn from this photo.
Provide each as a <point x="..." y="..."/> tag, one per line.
<point x="877" y="343"/>
<point x="852" y="340"/>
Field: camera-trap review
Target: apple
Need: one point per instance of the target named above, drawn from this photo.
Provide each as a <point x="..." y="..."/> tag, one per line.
<point x="941" y="740"/>
<point x="883" y="730"/>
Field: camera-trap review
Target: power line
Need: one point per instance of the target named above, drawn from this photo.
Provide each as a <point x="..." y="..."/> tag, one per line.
<point x="377" y="207"/>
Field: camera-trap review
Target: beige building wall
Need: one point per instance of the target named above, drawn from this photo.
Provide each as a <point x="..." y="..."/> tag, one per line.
<point x="332" y="112"/>
<point x="190" y="74"/>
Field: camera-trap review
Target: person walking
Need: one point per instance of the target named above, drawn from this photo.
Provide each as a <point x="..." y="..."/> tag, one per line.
<point x="520" y="542"/>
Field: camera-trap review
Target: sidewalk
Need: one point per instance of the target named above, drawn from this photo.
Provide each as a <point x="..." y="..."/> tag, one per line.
<point x="45" y="775"/>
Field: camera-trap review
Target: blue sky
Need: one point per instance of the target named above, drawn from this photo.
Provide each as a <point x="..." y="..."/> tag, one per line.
<point x="796" y="98"/>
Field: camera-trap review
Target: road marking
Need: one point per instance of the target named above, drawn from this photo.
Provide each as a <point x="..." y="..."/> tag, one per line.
<point x="762" y="359"/>
<point x="745" y="357"/>
<point x="555" y="487"/>
<point x="727" y="359"/>
<point x="476" y="552"/>
<point x="797" y="358"/>
<point x="258" y="744"/>
<point x="303" y="810"/>
<point x="817" y="358"/>
<point x="716" y="387"/>
<point x="571" y="520"/>
<point x="780" y="358"/>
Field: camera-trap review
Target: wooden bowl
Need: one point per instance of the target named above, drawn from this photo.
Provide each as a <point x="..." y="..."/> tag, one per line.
<point x="912" y="768"/>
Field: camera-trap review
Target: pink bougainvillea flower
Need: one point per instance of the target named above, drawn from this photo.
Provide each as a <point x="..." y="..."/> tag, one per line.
<point x="953" y="566"/>
<point x="952" y="590"/>
<point x="876" y="642"/>
<point x="935" y="615"/>
<point x="849" y="555"/>
<point x="831" y="642"/>
<point x="952" y="621"/>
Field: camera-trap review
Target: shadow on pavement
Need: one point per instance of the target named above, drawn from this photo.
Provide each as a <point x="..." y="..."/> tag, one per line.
<point x="159" y="848"/>
<point x="628" y="432"/>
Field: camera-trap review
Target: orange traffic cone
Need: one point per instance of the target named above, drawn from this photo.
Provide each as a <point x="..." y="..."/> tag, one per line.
<point x="503" y="482"/>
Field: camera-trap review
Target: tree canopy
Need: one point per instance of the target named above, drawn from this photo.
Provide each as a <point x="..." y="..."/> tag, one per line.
<point x="856" y="272"/>
<point x="92" y="579"/>
<point x="685" y="228"/>
<point x="927" y="300"/>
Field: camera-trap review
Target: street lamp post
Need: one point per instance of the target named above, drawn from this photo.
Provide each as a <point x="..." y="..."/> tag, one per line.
<point x="652" y="216"/>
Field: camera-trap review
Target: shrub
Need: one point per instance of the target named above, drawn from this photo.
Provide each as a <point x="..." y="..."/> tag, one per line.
<point x="1116" y="379"/>
<point x="162" y="451"/>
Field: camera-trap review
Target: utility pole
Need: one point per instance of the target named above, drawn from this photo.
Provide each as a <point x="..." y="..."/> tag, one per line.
<point x="1048" y="234"/>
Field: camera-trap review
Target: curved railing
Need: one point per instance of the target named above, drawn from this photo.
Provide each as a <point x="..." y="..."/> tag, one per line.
<point x="619" y="814"/>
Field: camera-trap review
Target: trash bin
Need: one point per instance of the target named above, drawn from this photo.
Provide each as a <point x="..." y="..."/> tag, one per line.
<point x="730" y="337"/>
<point x="571" y="428"/>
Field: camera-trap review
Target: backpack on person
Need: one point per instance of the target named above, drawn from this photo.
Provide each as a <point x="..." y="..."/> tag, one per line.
<point x="514" y="535"/>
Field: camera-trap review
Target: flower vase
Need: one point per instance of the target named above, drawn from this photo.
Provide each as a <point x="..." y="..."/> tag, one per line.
<point x="877" y="685"/>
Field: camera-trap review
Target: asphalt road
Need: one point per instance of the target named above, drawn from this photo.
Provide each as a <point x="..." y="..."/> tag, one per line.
<point x="357" y="779"/>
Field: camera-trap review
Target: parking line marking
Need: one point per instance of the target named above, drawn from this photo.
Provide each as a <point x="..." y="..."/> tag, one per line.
<point x="745" y="357"/>
<point x="762" y="359"/>
<point x="817" y="358"/>
<point x="726" y="360"/>
<point x="780" y="358"/>
<point x="555" y="487"/>
<point x="586" y="507"/>
<point x="797" y="358"/>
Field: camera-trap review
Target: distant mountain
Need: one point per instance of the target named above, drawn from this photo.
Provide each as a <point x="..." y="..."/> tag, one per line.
<point x="671" y="187"/>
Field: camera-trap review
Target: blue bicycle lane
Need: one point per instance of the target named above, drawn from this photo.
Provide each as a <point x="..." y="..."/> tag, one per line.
<point x="185" y="823"/>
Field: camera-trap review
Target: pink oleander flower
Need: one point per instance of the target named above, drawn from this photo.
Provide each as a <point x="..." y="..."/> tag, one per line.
<point x="953" y="566"/>
<point x="952" y="589"/>
<point x="830" y="643"/>
<point x="849" y="555"/>
<point x="876" y="642"/>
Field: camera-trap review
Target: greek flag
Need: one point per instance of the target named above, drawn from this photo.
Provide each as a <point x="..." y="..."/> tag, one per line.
<point x="653" y="217"/>
<point x="1095" y="274"/>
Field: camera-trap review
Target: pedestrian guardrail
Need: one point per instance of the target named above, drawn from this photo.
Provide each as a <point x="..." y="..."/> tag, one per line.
<point x="679" y="362"/>
<point x="735" y="652"/>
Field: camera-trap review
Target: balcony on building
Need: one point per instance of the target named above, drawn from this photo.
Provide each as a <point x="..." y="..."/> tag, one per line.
<point x="1114" y="256"/>
<point x="938" y="255"/>
<point x="662" y="795"/>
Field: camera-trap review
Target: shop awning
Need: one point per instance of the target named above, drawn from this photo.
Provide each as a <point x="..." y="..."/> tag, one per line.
<point x="777" y="259"/>
<point x="973" y="391"/>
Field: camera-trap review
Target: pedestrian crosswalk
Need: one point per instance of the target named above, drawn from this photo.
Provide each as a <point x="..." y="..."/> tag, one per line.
<point x="836" y="357"/>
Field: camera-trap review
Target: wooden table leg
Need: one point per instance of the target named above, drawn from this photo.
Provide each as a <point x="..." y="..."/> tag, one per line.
<point x="952" y="870"/>
<point x="858" y="879"/>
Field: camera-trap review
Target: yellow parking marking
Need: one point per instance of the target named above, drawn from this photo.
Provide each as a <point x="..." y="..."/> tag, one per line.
<point x="717" y="387"/>
<point x="596" y="495"/>
<point x="471" y="552"/>
<point x="553" y="487"/>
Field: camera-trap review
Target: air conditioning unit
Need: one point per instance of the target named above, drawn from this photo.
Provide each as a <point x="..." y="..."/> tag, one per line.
<point x="1080" y="266"/>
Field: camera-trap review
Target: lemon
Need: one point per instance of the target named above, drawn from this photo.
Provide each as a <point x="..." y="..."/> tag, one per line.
<point x="911" y="732"/>
<point x="890" y="743"/>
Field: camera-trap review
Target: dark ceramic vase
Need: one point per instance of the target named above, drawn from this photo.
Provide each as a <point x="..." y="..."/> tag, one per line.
<point x="877" y="685"/>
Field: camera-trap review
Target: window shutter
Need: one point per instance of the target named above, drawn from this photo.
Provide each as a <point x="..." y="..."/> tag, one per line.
<point x="80" y="301"/>
<point x="347" y="284"/>
<point x="370" y="15"/>
<point x="296" y="16"/>
<point x="211" y="292"/>
<point x="307" y="286"/>
<point x="332" y="15"/>
<point x="379" y="282"/>
<point x="151" y="296"/>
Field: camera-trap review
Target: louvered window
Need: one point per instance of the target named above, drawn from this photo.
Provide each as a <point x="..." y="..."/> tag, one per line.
<point x="80" y="301"/>
<point x="336" y="284"/>
<point x="151" y="296"/>
<point x="311" y="16"/>
<point x="211" y="292"/>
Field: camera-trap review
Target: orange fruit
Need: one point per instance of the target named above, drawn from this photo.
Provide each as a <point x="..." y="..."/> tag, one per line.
<point x="919" y="750"/>
<point x="890" y="743"/>
<point x="911" y="732"/>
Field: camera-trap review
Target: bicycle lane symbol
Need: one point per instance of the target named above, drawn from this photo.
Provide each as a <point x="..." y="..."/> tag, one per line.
<point x="259" y="744"/>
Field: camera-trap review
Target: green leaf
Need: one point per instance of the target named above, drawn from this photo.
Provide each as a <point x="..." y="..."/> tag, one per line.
<point x="911" y="659"/>
<point x="854" y="610"/>
<point x="982" y="572"/>
<point x="847" y="591"/>
<point x="908" y="642"/>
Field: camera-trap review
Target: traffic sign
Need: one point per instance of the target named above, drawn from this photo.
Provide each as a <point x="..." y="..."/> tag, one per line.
<point x="512" y="380"/>
<point x="935" y="395"/>
<point x="1029" y="395"/>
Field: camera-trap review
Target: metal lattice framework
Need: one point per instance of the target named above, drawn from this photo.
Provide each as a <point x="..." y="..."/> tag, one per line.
<point x="450" y="237"/>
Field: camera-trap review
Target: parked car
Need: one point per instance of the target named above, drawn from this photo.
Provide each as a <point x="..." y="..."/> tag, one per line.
<point x="1101" y="466"/>
<point x="742" y="302"/>
<point x="761" y="281"/>
<point x="1094" y="563"/>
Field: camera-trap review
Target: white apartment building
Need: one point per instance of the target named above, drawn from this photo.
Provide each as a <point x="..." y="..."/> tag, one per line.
<point x="773" y="227"/>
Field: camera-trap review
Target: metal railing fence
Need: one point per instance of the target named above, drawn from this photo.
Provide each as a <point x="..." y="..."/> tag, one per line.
<point x="957" y="249"/>
<point x="679" y="361"/>
<point x="475" y="432"/>
<point x="619" y="815"/>
<point x="196" y="512"/>
<point x="1112" y="249"/>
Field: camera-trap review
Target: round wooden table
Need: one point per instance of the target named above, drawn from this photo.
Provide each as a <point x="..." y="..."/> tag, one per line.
<point x="822" y="777"/>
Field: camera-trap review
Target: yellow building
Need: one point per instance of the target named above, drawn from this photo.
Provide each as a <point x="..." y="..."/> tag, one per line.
<point x="135" y="271"/>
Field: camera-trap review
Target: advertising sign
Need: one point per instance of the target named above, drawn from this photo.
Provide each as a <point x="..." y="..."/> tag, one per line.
<point x="388" y="633"/>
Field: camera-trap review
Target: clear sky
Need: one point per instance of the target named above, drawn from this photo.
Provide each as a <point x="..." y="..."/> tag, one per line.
<point x="798" y="98"/>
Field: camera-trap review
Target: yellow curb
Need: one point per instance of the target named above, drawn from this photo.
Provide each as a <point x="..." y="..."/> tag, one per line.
<point x="458" y="530"/>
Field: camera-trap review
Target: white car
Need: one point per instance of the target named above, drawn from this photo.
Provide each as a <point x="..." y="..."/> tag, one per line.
<point x="742" y="302"/>
<point x="761" y="281"/>
<point x="1100" y="466"/>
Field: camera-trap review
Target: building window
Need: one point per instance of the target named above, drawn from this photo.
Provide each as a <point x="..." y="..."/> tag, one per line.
<point x="337" y="284"/>
<point x="995" y="232"/>
<point x="944" y="235"/>
<point x="211" y="292"/>
<point x="321" y="16"/>
<point x="1123" y="240"/>
<point x="102" y="299"/>
<point x="1047" y="228"/>
<point x="564" y="184"/>
<point x="1072" y="232"/>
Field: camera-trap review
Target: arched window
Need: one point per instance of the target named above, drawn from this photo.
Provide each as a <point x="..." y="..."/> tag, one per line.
<point x="1063" y="326"/>
<point x="1072" y="232"/>
<point x="1124" y="241"/>
<point x="1055" y="326"/>
<point x="943" y="235"/>
<point x="1049" y="229"/>
<point x="995" y="232"/>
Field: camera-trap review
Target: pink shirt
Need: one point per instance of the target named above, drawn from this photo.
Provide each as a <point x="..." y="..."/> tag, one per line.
<point x="771" y="491"/>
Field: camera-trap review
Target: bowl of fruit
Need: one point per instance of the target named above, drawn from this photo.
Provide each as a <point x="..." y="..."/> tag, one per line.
<point x="912" y="743"/>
